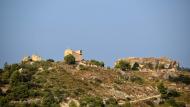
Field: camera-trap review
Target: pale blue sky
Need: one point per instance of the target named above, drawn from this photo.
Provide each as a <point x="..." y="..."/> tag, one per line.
<point x="104" y="29"/>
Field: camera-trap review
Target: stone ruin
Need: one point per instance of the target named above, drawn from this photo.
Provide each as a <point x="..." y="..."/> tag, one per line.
<point x="152" y="63"/>
<point x="77" y="54"/>
<point x="32" y="58"/>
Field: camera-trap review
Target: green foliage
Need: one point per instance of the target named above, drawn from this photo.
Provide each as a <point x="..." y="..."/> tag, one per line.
<point x="24" y="76"/>
<point x="4" y="102"/>
<point x="50" y="60"/>
<point x="97" y="63"/>
<point x="123" y="65"/>
<point x="137" y="80"/>
<point x="161" y="66"/>
<point x="49" y="100"/>
<point x="161" y="88"/>
<point x="90" y="101"/>
<point x="127" y="104"/>
<point x="173" y="103"/>
<point x="72" y="104"/>
<point x="82" y="67"/>
<point x="1" y="70"/>
<point x="172" y="93"/>
<point x="19" y="92"/>
<point x="69" y="59"/>
<point x="30" y="67"/>
<point x="15" y="78"/>
<point x="111" y="102"/>
<point x="167" y="93"/>
<point x="181" y="78"/>
<point x="135" y="66"/>
<point x="8" y="70"/>
<point x="150" y="66"/>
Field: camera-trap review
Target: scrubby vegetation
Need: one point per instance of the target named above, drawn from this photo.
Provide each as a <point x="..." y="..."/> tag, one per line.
<point x="181" y="78"/>
<point x="97" y="63"/>
<point x="69" y="59"/>
<point x="49" y="83"/>
<point x="123" y="65"/>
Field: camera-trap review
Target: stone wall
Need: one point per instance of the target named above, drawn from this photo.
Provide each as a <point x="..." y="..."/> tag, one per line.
<point x="33" y="58"/>
<point x="152" y="63"/>
<point x="77" y="54"/>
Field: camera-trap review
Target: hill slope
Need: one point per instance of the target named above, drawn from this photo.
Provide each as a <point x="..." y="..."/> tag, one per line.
<point x="48" y="83"/>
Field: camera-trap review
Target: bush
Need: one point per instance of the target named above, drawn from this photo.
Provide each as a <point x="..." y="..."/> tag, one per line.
<point x="181" y="78"/>
<point x="19" y="92"/>
<point x="50" y="60"/>
<point x="72" y="104"/>
<point x="135" y="66"/>
<point x="127" y="104"/>
<point x="161" y="88"/>
<point x="111" y="102"/>
<point x="15" y="78"/>
<point x="173" y="93"/>
<point x="97" y="63"/>
<point x="49" y="100"/>
<point x="82" y="67"/>
<point x="137" y="80"/>
<point x="69" y="59"/>
<point x="90" y="101"/>
<point x="4" y="102"/>
<point x="123" y="65"/>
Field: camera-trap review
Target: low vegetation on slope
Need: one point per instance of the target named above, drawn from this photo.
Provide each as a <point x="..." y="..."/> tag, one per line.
<point x="54" y="84"/>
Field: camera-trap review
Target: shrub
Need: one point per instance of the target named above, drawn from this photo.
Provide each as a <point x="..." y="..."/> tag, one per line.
<point x="172" y="102"/>
<point x="127" y="104"/>
<point x="161" y="88"/>
<point x="135" y="66"/>
<point x="111" y="102"/>
<point x="181" y="78"/>
<point x="90" y="101"/>
<point x="123" y="65"/>
<point x="19" y="92"/>
<point x="1" y="70"/>
<point x="72" y="104"/>
<point x="82" y="67"/>
<point x="173" y="93"/>
<point x="50" y="60"/>
<point x="69" y="59"/>
<point x="4" y="102"/>
<point x="15" y="78"/>
<point x="49" y="100"/>
<point x="97" y="63"/>
<point x="137" y="80"/>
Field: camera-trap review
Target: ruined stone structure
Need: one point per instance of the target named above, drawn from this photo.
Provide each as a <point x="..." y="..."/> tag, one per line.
<point x="152" y="63"/>
<point x="33" y="58"/>
<point x="36" y="58"/>
<point x="77" y="54"/>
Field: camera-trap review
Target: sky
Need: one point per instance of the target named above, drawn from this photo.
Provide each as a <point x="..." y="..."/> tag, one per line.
<point x="105" y="30"/>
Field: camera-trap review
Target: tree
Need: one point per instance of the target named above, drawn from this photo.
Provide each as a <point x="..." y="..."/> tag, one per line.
<point x="69" y="59"/>
<point x="15" y="78"/>
<point x="135" y="66"/>
<point x="123" y="65"/>
<point x="50" y="60"/>
<point x="97" y="63"/>
<point x="20" y="91"/>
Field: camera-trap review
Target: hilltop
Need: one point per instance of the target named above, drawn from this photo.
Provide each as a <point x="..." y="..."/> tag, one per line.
<point x="90" y="84"/>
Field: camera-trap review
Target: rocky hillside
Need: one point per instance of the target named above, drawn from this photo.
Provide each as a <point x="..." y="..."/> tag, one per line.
<point x="54" y="84"/>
